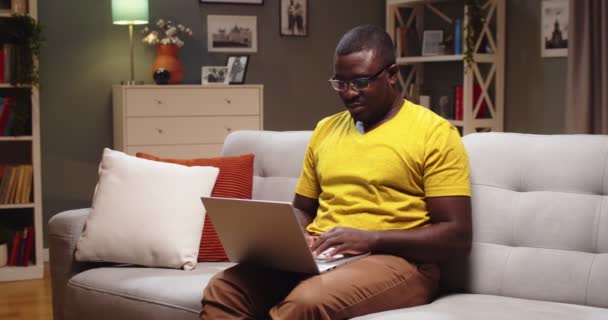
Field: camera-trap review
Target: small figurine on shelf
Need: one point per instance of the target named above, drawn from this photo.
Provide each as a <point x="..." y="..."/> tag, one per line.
<point x="168" y="41"/>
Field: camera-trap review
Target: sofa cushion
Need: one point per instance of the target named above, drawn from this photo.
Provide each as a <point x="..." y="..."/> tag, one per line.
<point x="146" y="212"/>
<point x="234" y="181"/>
<point x="484" y="307"/>
<point x="141" y="293"/>
<point x="278" y="160"/>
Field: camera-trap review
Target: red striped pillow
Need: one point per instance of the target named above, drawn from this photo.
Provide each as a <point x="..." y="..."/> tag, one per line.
<point x="234" y="181"/>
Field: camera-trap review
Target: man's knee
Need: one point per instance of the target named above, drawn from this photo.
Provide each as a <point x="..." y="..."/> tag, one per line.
<point x="219" y="287"/>
<point x="302" y="304"/>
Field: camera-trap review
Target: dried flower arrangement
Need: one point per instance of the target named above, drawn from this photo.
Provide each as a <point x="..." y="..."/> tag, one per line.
<point x="168" y="33"/>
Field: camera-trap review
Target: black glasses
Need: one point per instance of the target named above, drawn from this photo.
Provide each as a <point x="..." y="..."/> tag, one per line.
<point x="356" y="83"/>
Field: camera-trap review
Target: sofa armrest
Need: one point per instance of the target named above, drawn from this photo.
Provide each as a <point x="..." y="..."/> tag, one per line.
<point x="65" y="229"/>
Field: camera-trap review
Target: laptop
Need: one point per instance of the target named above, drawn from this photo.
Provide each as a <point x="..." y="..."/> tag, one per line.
<point x="266" y="233"/>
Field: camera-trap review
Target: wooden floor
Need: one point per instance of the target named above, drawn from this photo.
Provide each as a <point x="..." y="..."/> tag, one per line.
<point x="27" y="300"/>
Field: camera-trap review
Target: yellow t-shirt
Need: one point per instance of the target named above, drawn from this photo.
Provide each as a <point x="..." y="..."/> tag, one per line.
<point x="379" y="180"/>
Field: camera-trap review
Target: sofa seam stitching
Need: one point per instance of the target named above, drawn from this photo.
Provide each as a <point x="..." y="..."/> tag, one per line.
<point x="60" y="237"/>
<point x="589" y="279"/>
<point x="535" y="247"/>
<point x="604" y="172"/>
<point x="112" y="293"/>
<point x="597" y="225"/>
<point x="527" y="191"/>
<point x="502" y="281"/>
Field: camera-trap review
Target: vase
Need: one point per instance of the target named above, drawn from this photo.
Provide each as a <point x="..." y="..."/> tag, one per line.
<point x="167" y="61"/>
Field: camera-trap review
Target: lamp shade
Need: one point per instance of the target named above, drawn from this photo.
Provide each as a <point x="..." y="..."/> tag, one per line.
<point x="130" y="11"/>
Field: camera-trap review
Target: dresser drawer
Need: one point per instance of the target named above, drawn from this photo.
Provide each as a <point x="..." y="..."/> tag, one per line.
<point x="192" y="101"/>
<point x="184" y="151"/>
<point x="186" y="130"/>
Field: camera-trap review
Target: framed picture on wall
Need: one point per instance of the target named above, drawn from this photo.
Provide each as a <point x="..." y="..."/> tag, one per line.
<point x="260" y="2"/>
<point x="554" y="28"/>
<point x="237" y="68"/>
<point x="232" y="33"/>
<point x="8" y="7"/>
<point x="5" y="6"/>
<point x="214" y="75"/>
<point x="431" y="42"/>
<point x="294" y="18"/>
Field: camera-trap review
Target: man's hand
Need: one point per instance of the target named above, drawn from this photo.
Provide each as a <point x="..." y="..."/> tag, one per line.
<point x="309" y="239"/>
<point x="345" y="241"/>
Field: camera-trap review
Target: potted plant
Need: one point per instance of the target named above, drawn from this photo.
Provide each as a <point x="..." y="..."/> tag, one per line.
<point x="476" y="18"/>
<point x="25" y="38"/>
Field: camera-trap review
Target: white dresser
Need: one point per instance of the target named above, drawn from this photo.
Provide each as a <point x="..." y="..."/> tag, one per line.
<point x="183" y="121"/>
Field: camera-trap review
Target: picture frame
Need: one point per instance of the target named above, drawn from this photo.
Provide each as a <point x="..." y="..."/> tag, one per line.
<point x="5" y="6"/>
<point x="431" y="42"/>
<point x="255" y="2"/>
<point x="232" y="33"/>
<point x="554" y="28"/>
<point x="293" y="18"/>
<point x="214" y="75"/>
<point x="237" y="68"/>
<point x="9" y="7"/>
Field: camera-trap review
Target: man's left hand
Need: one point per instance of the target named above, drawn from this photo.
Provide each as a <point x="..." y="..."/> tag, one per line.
<point x="345" y="241"/>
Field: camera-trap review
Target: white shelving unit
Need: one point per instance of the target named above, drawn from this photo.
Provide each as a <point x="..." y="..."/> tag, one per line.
<point x="35" y="269"/>
<point x="487" y="70"/>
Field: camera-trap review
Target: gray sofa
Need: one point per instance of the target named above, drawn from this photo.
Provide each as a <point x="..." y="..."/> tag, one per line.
<point x="540" y="251"/>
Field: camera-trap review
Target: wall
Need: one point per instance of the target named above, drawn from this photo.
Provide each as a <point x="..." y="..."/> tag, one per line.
<point x="86" y="54"/>
<point x="534" y="86"/>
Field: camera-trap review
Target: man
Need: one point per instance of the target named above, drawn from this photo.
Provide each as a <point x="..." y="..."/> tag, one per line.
<point x="291" y="17"/>
<point x="387" y="177"/>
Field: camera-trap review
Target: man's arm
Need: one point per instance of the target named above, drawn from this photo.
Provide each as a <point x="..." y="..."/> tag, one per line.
<point x="448" y="236"/>
<point x="305" y="210"/>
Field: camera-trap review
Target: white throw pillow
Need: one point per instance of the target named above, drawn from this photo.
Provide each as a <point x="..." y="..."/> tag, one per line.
<point x="146" y="212"/>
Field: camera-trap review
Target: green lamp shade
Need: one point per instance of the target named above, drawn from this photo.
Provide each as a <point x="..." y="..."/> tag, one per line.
<point x="130" y="11"/>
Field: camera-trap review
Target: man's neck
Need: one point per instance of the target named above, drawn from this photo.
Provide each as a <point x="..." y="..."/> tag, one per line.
<point x="392" y="112"/>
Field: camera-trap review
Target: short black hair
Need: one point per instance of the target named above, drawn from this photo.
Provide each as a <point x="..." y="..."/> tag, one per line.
<point x="367" y="38"/>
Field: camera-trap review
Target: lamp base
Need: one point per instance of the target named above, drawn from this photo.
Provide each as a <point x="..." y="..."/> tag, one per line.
<point x="131" y="82"/>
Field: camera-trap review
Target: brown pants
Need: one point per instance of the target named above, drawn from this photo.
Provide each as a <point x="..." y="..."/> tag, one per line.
<point x="372" y="284"/>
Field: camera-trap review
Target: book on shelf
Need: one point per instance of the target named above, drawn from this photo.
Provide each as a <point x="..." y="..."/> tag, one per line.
<point x="5" y="112"/>
<point x="27" y="186"/>
<point x="21" y="247"/>
<point x="408" y="41"/>
<point x="2" y="64"/>
<point x="29" y="242"/>
<point x="14" y="249"/>
<point x="458" y="102"/>
<point x="11" y="123"/>
<point x="3" y="182"/>
<point x="457" y="36"/>
<point x="16" y="184"/>
<point x="7" y="62"/>
<point x="21" y="252"/>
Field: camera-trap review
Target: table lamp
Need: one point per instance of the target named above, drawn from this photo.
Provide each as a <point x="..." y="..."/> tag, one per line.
<point x="130" y="12"/>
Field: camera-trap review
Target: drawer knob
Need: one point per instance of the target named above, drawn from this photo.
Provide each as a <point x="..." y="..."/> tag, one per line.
<point x="159" y="130"/>
<point x="229" y="129"/>
<point x="228" y="101"/>
<point x="158" y="101"/>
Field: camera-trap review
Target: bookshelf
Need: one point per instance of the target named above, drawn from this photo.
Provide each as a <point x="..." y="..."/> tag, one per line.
<point x="470" y="96"/>
<point x="21" y="149"/>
